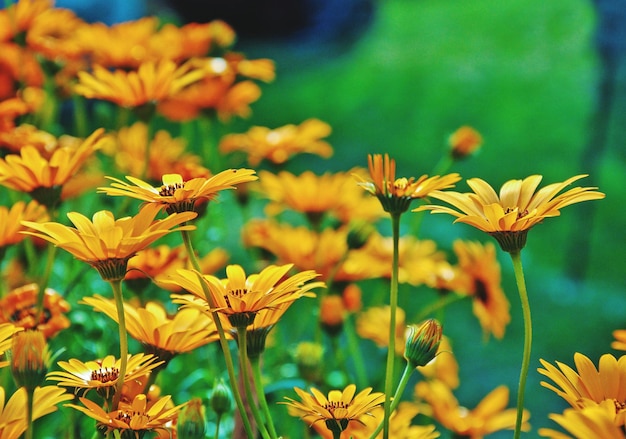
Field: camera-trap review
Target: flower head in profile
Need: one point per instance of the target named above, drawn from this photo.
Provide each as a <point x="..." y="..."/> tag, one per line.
<point x="338" y="409"/>
<point x="138" y="417"/>
<point x="489" y="416"/>
<point x="163" y="335"/>
<point x="588" y="385"/>
<point x="101" y="375"/>
<point x="19" y="307"/>
<point x="107" y="243"/>
<point x="43" y="176"/>
<point x="510" y="215"/>
<point x="176" y="195"/>
<point x="11" y="221"/>
<point x="588" y="422"/>
<point x="150" y="82"/>
<point x="479" y="277"/>
<point x="422" y="342"/>
<point x="280" y="144"/>
<point x="240" y="297"/>
<point x="396" y="194"/>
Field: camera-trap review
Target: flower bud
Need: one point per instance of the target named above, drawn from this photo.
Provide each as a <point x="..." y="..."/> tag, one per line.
<point x="29" y="358"/>
<point x="221" y="400"/>
<point x="464" y="142"/>
<point x="359" y="233"/>
<point x="191" y="424"/>
<point x="309" y="358"/>
<point x="422" y="342"/>
<point x="332" y="314"/>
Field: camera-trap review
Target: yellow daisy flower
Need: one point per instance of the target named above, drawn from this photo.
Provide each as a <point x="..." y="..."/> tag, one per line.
<point x="11" y="221"/>
<point x="317" y="196"/>
<point x="107" y="243"/>
<point x="510" y="215"/>
<point x="13" y="422"/>
<point x="241" y="297"/>
<point x="153" y="81"/>
<point x="489" y="416"/>
<point x="163" y="335"/>
<point x="590" y="386"/>
<point x="280" y="144"/>
<point x="101" y="375"/>
<point x="43" y="177"/>
<point x="176" y="195"/>
<point x="480" y="278"/>
<point x="373" y="324"/>
<point x="396" y="194"/>
<point x="138" y="417"/>
<point x="338" y="409"/>
<point x="585" y="423"/>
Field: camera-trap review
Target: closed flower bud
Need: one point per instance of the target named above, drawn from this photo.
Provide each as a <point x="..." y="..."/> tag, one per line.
<point x="191" y="423"/>
<point x="422" y="342"/>
<point x="332" y="314"/>
<point x="221" y="399"/>
<point x="464" y="142"/>
<point x="309" y="358"/>
<point x="29" y="358"/>
<point x="359" y="233"/>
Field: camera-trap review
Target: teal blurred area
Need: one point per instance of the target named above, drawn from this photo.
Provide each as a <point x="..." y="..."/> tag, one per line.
<point x="528" y="75"/>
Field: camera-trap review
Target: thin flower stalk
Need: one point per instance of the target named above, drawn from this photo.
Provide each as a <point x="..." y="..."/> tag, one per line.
<point x="393" y="305"/>
<point x="255" y="363"/>
<point x="245" y="377"/>
<point x="528" y="335"/>
<point x="220" y="329"/>
<point x="116" y="285"/>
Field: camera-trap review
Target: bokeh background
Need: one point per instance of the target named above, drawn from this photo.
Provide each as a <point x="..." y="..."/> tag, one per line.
<point x="545" y="84"/>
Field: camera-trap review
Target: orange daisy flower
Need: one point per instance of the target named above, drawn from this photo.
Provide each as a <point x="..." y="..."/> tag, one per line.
<point x="510" y="215"/>
<point x="167" y="154"/>
<point x="101" y="375"/>
<point x="106" y="243"/>
<point x="489" y="416"/>
<point x="333" y="195"/>
<point x="150" y="83"/>
<point x="13" y="422"/>
<point x="396" y="194"/>
<point x="177" y="195"/>
<point x="338" y="410"/>
<point x="42" y="177"/>
<point x="11" y="221"/>
<point x="588" y="386"/>
<point x="161" y="334"/>
<point x="278" y="145"/>
<point x="136" y="418"/>
<point x="240" y="297"/>
<point x="480" y="278"/>
<point x="588" y="422"/>
<point x="18" y="17"/>
<point x="53" y="34"/>
<point x="19" y="307"/>
<point x="464" y="142"/>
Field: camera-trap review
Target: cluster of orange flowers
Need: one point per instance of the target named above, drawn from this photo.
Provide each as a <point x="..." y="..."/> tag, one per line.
<point x="312" y="237"/>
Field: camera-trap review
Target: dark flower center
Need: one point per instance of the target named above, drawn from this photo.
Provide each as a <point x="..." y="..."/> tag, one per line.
<point x="520" y="214"/>
<point x="169" y="189"/>
<point x="481" y="292"/>
<point x="105" y="374"/>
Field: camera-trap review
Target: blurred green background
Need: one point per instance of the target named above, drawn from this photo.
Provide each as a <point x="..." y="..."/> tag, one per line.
<point x="526" y="74"/>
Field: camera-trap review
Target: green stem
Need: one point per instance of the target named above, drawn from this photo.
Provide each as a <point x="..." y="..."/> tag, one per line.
<point x="217" y="426"/>
<point x="228" y="359"/>
<point x="258" y="385"/>
<point x="336" y="434"/>
<point x="43" y="283"/>
<point x="116" y="285"/>
<point x="408" y="371"/>
<point x="245" y="377"/>
<point x="393" y="305"/>
<point x="80" y="115"/>
<point x="528" y="335"/>
<point x="29" y="415"/>
<point x="355" y="352"/>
